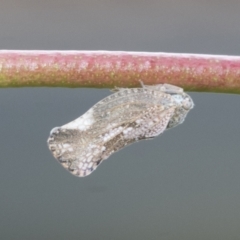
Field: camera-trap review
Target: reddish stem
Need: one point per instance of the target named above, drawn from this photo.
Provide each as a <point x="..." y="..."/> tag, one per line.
<point x="119" y="69"/>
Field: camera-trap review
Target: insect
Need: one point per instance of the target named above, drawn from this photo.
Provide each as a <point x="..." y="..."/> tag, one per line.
<point x="127" y="116"/>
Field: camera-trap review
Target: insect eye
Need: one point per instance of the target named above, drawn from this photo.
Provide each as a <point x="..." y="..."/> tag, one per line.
<point x="187" y="104"/>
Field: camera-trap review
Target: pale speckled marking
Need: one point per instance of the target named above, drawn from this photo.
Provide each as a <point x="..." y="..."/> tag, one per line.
<point x="81" y="123"/>
<point x="125" y="117"/>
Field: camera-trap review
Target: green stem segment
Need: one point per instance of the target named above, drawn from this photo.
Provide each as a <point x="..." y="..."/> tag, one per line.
<point x="100" y="69"/>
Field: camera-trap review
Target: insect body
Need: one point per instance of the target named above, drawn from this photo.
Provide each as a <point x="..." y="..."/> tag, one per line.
<point x="125" y="117"/>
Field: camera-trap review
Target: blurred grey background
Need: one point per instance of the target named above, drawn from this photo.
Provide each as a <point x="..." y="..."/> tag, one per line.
<point x="183" y="185"/>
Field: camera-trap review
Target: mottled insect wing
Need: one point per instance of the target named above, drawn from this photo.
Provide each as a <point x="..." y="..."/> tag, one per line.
<point x="72" y="148"/>
<point x="125" y="117"/>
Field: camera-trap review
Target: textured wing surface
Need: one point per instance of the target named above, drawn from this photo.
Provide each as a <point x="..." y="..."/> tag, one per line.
<point x="81" y="145"/>
<point x="126" y="105"/>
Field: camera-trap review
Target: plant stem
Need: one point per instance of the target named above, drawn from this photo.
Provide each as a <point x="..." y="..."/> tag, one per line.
<point x="193" y="72"/>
